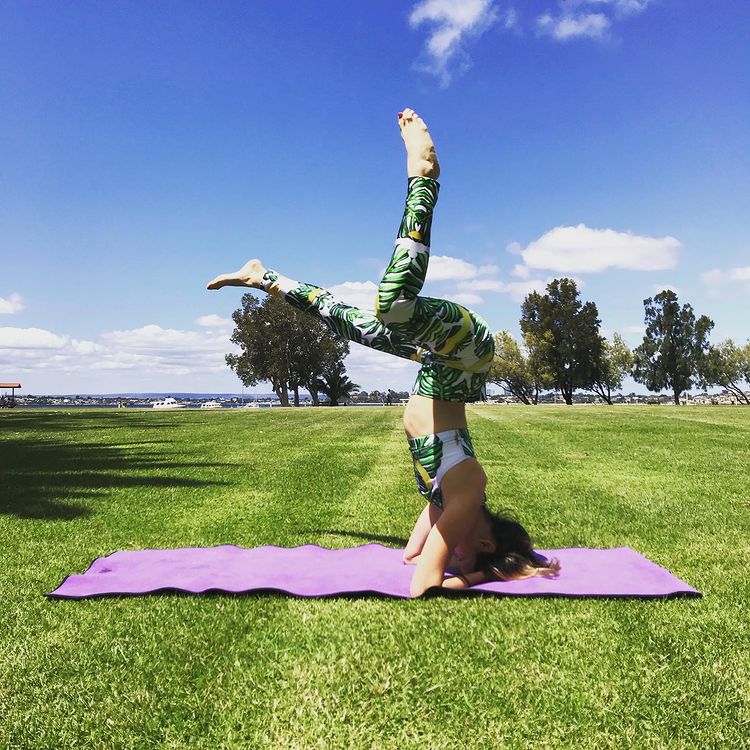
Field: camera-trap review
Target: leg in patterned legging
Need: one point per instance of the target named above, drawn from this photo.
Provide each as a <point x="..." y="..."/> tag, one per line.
<point x="360" y="326"/>
<point x="459" y="343"/>
<point x="397" y="301"/>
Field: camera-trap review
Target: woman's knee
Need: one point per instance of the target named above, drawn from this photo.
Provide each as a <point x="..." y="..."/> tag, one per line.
<point x="395" y="311"/>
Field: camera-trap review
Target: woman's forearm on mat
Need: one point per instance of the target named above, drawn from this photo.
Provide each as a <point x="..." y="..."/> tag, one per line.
<point x="458" y="582"/>
<point x="464" y="581"/>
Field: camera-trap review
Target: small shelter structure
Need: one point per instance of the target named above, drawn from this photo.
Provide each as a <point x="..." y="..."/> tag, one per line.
<point x="6" y="401"/>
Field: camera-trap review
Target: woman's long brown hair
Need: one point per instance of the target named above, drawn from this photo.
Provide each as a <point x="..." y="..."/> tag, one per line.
<point x="514" y="555"/>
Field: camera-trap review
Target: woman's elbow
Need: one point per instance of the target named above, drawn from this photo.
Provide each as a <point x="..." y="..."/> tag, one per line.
<point x="420" y="584"/>
<point x="416" y="590"/>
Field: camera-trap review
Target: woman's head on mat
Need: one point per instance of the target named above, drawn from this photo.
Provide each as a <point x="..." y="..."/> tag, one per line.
<point x="513" y="555"/>
<point x="501" y="548"/>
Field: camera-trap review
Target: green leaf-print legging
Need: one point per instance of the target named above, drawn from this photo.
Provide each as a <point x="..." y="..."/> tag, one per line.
<point x="453" y="344"/>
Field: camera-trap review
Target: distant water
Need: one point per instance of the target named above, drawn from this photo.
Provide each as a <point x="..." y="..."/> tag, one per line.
<point x="149" y="405"/>
<point x="113" y="405"/>
<point x="145" y="400"/>
<point x="146" y="395"/>
<point x="130" y="405"/>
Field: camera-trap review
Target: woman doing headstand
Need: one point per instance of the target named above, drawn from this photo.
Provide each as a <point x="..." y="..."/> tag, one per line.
<point x="456" y="531"/>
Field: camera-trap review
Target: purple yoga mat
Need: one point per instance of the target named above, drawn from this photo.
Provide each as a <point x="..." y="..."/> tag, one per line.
<point x="312" y="571"/>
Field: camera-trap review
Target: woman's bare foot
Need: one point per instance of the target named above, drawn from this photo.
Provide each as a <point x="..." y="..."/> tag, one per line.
<point x="251" y="274"/>
<point x="421" y="159"/>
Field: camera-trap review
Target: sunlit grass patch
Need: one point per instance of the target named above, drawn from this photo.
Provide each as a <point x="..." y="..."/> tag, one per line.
<point x="274" y="672"/>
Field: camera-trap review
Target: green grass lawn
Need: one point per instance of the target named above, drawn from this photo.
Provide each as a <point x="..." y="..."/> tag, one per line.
<point x="270" y="671"/>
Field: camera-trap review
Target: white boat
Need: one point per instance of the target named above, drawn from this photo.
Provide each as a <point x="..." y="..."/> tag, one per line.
<point x="210" y="405"/>
<point x="168" y="403"/>
<point x="251" y="405"/>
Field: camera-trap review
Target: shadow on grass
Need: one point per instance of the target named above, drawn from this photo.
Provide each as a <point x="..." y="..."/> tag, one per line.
<point x="396" y="540"/>
<point x="60" y="420"/>
<point x="43" y="476"/>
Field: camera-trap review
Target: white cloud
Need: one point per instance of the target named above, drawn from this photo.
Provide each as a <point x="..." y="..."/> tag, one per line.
<point x="168" y="350"/>
<point x="519" y="289"/>
<point x="121" y="361"/>
<point x="150" y="349"/>
<point x="514" y="248"/>
<point x="510" y="19"/>
<point x="516" y="289"/>
<point x="31" y="338"/>
<point x="85" y="347"/>
<point x="452" y="22"/>
<point x="359" y="294"/>
<point x="580" y="283"/>
<point x="483" y="285"/>
<point x="371" y="369"/>
<point x="471" y="282"/>
<point x="11" y="305"/>
<point x="214" y="321"/>
<point x="154" y="338"/>
<point x="575" y="19"/>
<point x="520" y="271"/>
<point x="467" y="298"/>
<point x="630" y="7"/>
<point x="740" y="274"/>
<point x="563" y="28"/>
<point x="717" y="277"/>
<point x="488" y="269"/>
<point x="586" y="250"/>
<point x="445" y="268"/>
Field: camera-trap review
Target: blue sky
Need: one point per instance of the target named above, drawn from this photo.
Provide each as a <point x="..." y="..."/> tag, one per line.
<point x="147" y="147"/>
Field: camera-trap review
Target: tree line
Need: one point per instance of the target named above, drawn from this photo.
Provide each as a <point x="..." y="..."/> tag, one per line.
<point x="562" y="349"/>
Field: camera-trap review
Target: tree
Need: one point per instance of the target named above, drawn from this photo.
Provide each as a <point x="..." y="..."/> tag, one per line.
<point x="562" y="336"/>
<point x="516" y="371"/>
<point x="335" y="384"/>
<point x="616" y="362"/>
<point x="315" y="348"/>
<point x="282" y="345"/>
<point x="674" y="346"/>
<point x="728" y="365"/>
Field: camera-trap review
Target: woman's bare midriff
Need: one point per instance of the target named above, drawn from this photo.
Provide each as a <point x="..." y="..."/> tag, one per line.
<point x="427" y="416"/>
